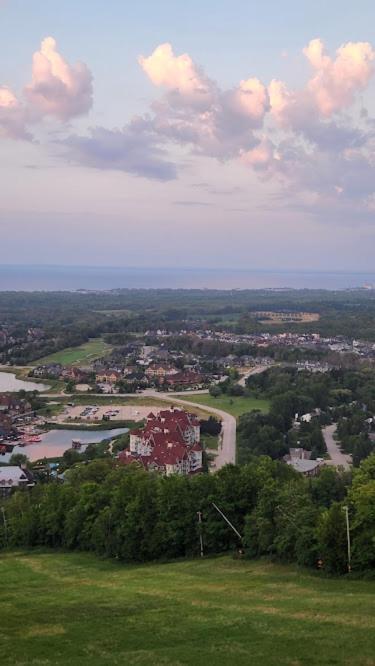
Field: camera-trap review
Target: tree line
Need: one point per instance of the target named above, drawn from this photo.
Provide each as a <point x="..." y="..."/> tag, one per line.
<point x="126" y="513"/>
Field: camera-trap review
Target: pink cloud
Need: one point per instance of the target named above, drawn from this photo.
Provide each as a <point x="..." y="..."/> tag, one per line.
<point x="12" y="116"/>
<point x="58" y="88"/>
<point x="336" y="82"/>
<point x="178" y="74"/>
<point x="250" y="99"/>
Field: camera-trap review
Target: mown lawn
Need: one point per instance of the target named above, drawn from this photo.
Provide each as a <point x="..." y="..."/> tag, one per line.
<point x="82" y="355"/>
<point x="76" y="609"/>
<point x="233" y="405"/>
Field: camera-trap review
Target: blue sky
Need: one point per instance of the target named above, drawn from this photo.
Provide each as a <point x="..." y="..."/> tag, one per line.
<point x="195" y="161"/>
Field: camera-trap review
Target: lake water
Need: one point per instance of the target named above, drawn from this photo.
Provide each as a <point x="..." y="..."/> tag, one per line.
<point x="72" y="278"/>
<point x="55" y="442"/>
<point x="9" y="382"/>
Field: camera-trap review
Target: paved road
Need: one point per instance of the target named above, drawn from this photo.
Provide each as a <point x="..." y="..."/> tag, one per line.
<point x="253" y="371"/>
<point x="336" y="455"/>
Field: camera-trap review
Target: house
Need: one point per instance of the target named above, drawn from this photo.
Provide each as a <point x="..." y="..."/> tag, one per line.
<point x="169" y="443"/>
<point x="12" y="476"/>
<point x="12" y="406"/>
<point x="49" y="371"/>
<point x="160" y="371"/>
<point x="299" y="459"/>
<point x="186" y="378"/>
<point x="74" y="374"/>
<point x="108" y="377"/>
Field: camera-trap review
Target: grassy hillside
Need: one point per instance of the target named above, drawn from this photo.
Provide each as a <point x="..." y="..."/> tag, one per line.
<point x="233" y="405"/>
<point x="82" y="355"/>
<point x="75" y="609"/>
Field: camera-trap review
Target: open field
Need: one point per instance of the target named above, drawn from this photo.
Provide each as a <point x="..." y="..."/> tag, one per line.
<point x="72" y="608"/>
<point x="233" y="405"/>
<point x="86" y="353"/>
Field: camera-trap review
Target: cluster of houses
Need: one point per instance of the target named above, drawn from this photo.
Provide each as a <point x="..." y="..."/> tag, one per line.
<point x="142" y="374"/>
<point x="168" y="444"/>
<point x="309" y="341"/>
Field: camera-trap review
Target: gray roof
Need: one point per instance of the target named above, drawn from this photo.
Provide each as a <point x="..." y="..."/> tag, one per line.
<point x="12" y="475"/>
<point x="303" y="465"/>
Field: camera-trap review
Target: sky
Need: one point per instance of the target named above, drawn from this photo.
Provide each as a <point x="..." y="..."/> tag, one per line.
<point x="220" y="133"/>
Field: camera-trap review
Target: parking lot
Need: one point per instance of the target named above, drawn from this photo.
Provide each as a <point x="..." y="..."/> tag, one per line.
<point x="93" y="413"/>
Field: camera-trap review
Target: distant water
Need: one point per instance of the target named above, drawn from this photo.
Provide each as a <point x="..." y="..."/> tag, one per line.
<point x="72" y="278"/>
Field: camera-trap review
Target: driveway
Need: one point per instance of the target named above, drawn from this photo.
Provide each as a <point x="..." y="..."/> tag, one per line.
<point x="337" y="457"/>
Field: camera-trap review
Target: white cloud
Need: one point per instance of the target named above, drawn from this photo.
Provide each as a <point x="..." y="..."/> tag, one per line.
<point x="179" y="75"/>
<point x="58" y="88"/>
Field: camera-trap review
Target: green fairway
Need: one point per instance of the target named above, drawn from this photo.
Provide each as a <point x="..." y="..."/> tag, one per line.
<point x="232" y="405"/>
<point x="81" y="355"/>
<point x="75" y="609"/>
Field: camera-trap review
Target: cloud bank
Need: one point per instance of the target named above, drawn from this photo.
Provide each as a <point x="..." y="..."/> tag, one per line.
<point x="315" y="142"/>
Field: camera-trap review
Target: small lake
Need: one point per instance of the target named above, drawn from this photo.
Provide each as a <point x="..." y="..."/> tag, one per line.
<point x="55" y="442"/>
<point x="9" y="382"/>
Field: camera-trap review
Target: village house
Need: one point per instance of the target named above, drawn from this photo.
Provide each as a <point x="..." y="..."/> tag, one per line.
<point x="186" y="378"/>
<point x="13" y="406"/>
<point x="108" y="377"/>
<point x="71" y="373"/>
<point x="12" y="477"/>
<point x="160" y="371"/>
<point x="169" y="443"/>
<point x="50" y="371"/>
<point x="300" y="460"/>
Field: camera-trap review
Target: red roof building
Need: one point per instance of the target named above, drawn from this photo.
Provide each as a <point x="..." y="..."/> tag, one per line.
<point x="169" y="443"/>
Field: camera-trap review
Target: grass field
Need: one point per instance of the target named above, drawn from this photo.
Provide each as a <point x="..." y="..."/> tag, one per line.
<point x="86" y="353"/>
<point x="232" y="405"/>
<point x="76" y="609"/>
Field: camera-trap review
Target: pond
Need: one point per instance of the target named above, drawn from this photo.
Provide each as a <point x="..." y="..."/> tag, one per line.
<point x="55" y="442"/>
<point x="9" y="382"/>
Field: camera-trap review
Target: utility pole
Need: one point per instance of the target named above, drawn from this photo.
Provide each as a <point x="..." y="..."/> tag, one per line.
<point x="199" y="514"/>
<point x="5" y="526"/>
<point x="346" y="509"/>
<point x="227" y="520"/>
